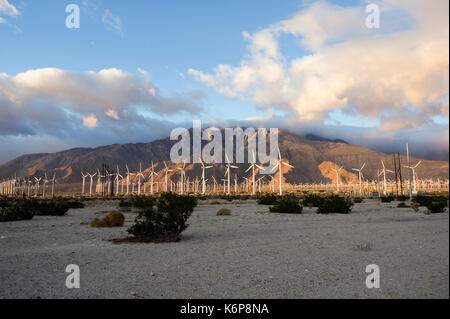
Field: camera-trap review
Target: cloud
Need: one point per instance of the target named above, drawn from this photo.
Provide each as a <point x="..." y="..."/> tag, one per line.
<point x="113" y="22"/>
<point x="8" y="9"/>
<point x="370" y="73"/>
<point x="3" y="21"/>
<point x="90" y="121"/>
<point x="56" y="102"/>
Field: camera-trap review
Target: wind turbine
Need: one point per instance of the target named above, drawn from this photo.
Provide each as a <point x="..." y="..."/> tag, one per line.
<point x="117" y="178"/>
<point x="166" y="180"/>
<point x="338" y="172"/>
<point x="38" y="180"/>
<point x="91" y="177"/>
<point x="280" y="164"/>
<point x="128" y="178"/>
<point x="203" y="176"/>
<point x="228" y="172"/>
<point x="44" y="185"/>
<point x="139" y="175"/>
<point x="182" y="176"/>
<point x="384" y="176"/>
<point x="252" y="167"/>
<point x="152" y="173"/>
<point x="53" y="180"/>
<point x="361" y="176"/>
<point x="84" y="181"/>
<point x="414" y="174"/>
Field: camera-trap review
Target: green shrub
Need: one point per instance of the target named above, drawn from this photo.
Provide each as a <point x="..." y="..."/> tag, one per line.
<point x="167" y="221"/>
<point x="357" y="200"/>
<point x="387" y="199"/>
<point x="402" y="205"/>
<point x="50" y="207"/>
<point x="138" y="202"/>
<point x="312" y="200"/>
<point x="437" y="207"/>
<point x="287" y="205"/>
<point x="223" y="212"/>
<point x="435" y="204"/>
<point x="268" y="199"/>
<point x="402" y="198"/>
<point x="335" y="205"/>
<point x="15" y="212"/>
<point x="113" y="219"/>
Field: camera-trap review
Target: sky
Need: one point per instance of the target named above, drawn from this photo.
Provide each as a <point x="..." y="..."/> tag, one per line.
<point x="134" y="70"/>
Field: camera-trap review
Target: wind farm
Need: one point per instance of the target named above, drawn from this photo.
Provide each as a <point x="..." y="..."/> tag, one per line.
<point x="251" y="150"/>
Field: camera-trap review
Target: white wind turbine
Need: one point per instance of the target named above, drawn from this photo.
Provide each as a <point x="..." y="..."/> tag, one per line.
<point x="414" y="174"/>
<point x="338" y="175"/>
<point x="139" y="175"/>
<point x="117" y="180"/>
<point x="228" y="173"/>
<point x="252" y="167"/>
<point x="383" y="172"/>
<point x="166" y="177"/>
<point x="44" y="184"/>
<point x="91" y="177"/>
<point x="84" y="181"/>
<point x="203" y="176"/>
<point x="182" y="176"/>
<point x="53" y="180"/>
<point x="361" y="176"/>
<point x="128" y="178"/>
<point x="38" y="180"/>
<point x="280" y="164"/>
<point x="152" y="174"/>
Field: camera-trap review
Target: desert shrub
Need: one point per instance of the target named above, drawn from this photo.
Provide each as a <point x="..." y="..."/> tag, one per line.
<point x="166" y="221"/>
<point x="287" y="205"/>
<point x="125" y="203"/>
<point x="137" y="202"/>
<point x="335" y="205"/>
<point x="437" y="207"/>
<point x="223" y="212"/>
<point x="402" y="205"/>
<point x="435" y="204"/>
<point x="402" y="198"/>
<point x="49" y="207"/>
<point x="74" y="204"/>
<point x="15" y="212"/>
<point x="113" y="219"/>
<point x="268" y="199"/>
<point x="415" y="206"/>
<point x="357" y="200"/>
<point x="312" y="200"/>
<point x="387" y="199"/>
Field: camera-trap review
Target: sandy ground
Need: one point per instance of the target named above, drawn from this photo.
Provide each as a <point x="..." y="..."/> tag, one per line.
<point x="251" y="254"/>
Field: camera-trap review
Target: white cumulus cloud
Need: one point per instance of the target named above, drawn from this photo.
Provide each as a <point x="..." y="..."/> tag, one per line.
<point x="372" y="73"/>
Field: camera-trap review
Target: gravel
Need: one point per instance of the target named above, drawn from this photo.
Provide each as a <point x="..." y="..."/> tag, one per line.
<point x="250" y="254"/>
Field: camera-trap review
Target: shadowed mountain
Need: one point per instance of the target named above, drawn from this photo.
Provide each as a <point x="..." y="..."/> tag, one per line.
<point x="313" y="159"/>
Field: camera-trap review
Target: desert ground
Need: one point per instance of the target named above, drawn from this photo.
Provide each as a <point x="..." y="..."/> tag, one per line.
<point x="251" y="254"/>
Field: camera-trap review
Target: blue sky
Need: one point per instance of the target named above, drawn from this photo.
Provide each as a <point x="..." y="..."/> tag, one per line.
<point x="172" y="44"/>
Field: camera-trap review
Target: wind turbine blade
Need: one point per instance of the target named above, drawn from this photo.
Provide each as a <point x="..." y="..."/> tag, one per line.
<point x="248" y="168"/>
<point x="233" y="166"/>
<point x="260" y="167"/>
<point x="289" y="165"/>
<point x="363" y="166"/>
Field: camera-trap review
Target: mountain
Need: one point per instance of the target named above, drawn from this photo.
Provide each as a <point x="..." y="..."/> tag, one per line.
<point x="312" y="156"/>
